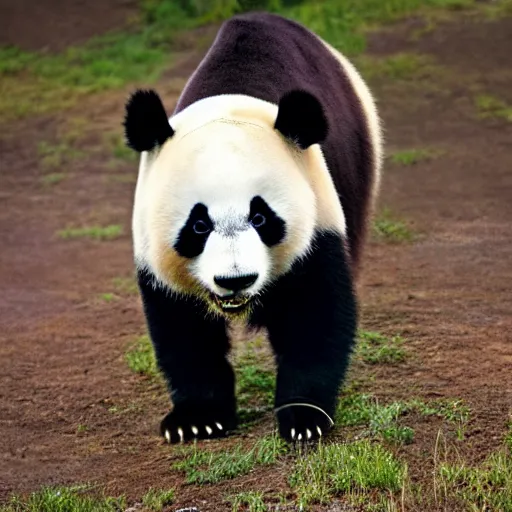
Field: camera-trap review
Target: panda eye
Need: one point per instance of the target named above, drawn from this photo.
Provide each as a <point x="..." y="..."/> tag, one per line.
<point x="258" y="220"/>
<point x="201" y="228"/>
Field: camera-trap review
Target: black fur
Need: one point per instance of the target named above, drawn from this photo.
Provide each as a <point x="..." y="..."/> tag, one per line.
<point x="146" y="124"/>
<point x="189" y="243"/>
<point x="266" y="56"/>
<point x="191" y="348"/>
<point x="301" y="118"/>
<point x="273" y="229"/>
<point x="310" y="314"/>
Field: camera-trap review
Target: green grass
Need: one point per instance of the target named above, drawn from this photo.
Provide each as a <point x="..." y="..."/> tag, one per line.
<point x="400" y="66"/>
<point x="409" y="157"/>
<point x="53" y="178"/>
<point x="378" y="421"/>
<point x="140" y="357"/>
<point x="55" y="156"/>
<point x="92" y="232"/>
<point x="391" y="230"/>
<point x="484" y="487"/>
<point x="346" y="470"/>
<point x="64" y="499"/>
<point x="126" y="285"/>
<point x="251" y="501"/>
<point x="255" y="383"/>
<point x="107" y="297"/>
<point x="204" y="467"/>
<point x="120" y="151"/>
<point x="490" y="107"/>
<point x="158" y="499"/>
<point x="375" y="348"/>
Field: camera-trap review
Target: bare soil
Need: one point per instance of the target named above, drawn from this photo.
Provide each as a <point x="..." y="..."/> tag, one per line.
<point x="72" y="412"/>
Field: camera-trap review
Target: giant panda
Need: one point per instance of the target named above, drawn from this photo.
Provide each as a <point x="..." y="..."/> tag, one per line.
<point x="252" y="204"/>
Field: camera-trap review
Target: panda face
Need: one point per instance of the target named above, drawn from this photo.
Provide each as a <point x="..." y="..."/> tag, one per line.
<point x="222" y="210"/>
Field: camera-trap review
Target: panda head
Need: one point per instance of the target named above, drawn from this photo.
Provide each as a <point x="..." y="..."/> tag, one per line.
<point x="224" y="202"/>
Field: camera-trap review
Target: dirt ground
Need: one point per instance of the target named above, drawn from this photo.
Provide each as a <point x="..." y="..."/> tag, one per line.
<point x="71" y="411"/>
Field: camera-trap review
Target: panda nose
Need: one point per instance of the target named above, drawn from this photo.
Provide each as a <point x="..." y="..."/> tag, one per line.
<point x="236" y="284"/>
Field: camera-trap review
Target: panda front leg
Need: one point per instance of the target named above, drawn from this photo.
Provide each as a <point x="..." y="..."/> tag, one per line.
<point x="311" y="317"/>
<point x="191" y="347"/>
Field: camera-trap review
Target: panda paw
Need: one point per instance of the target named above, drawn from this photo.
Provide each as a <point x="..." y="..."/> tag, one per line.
<point x="187" y="422"/>
<point x="302" y="423"/>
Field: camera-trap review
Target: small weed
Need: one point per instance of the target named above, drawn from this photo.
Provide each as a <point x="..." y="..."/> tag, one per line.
<point x="80" y="429"/>
<point x="391" y="230"/>
<point x="203" y="467"/>
<point x="375" y="348"/>
<point x="487" y="487"/>
<point x="252" y="501"/>
<point x="157" y="500"/>
<point x="402" y="66"/>
<point x="64" y="499"/>
<point x="107" y="297"/>
<point x="54" y="156"/>
<point x="380" y="421"/>
<point x="126" y="285"/>
<point x="93" y="232"/>
<point x="490" y="107"/>
<point x="332" y="470"/>
<point x="53" y="178"/>
<point x="413" y="156"/>
<point x="141" y="357"/>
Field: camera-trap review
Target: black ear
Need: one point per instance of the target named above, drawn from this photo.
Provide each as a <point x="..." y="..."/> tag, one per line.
<point x="146" y="125"/>
<point x="301" y="118"/>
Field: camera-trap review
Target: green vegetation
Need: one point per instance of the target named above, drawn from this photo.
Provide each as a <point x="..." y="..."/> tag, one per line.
<point x="64" y="499"/>
<point x="141" y="357"/>
<point x="391" y="230"/>
<point x="157" y="499"/>
<point x="490" y="107"/>
<point x="349" y="469"/>
<point x="53" y="178"/>
<point x="375" y="348"/>
<point x="120" y="151"/>
<point x="126" y="285"/>
<point x="401" y="66"/>
<point x="413" y="156"/>
<point x="93" y="232"/>
<point x="487" y="487"/>
<point x="107" y="297"/>
<point x="252" y="501"/>
<point x="80" y="429"/>
<point x="255" y="380"/>
<point x="55" y="156"/>
<point x="204" y="467"/>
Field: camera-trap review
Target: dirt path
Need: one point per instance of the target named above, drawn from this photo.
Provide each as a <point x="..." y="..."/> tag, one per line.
<point x="70" y="410"/>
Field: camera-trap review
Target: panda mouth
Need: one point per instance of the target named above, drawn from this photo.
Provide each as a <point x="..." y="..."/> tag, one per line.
<point x="232" y="304"/>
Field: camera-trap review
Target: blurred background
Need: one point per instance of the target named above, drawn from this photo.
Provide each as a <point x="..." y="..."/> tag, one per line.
<point x="424" y="421"/>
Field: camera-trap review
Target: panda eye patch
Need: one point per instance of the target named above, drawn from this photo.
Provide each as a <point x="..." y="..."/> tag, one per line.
<point x="258" y="220"/>
<point x="201" y="227"/>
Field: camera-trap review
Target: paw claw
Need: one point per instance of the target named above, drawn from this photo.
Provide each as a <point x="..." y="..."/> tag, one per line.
<point x="180" y="433"/>
<point x="194" y="429"/>
<point x="168" y="436"/>
<point x="208" y="430"/>
<point x="292" y="433"/>
<point x="299" y="437"/>
<point x="219" y="426"/>
<point x="308" y="434"/>
<point x="319" y="430"/>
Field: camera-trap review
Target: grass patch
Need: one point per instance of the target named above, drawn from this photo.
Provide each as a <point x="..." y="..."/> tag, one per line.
<point x="486" y="487"/>
<point x="93" y="232"/>
<point x="413" y="156"/>
<point x="140" y="357"/>
<point x="53" y="178"/>
<point x="157" y="499"/>
<point x="380" y="421"/>
<point x="64" y="499"/>
<point x="203" y="467"/>
<point x="346" y="469"/>
<point x="255" y="382"/>
<point x="391" y="230"/>
<point x="115" y="141"/>
<point x="107" y="297"/>
<point x="375" y="348"/>
<point x="490" y="107"/>
<point x="252" y="501"/>
<point x="126" y="285"/>
<point x="54" y="156"/>
<point x="401" y="66"/>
